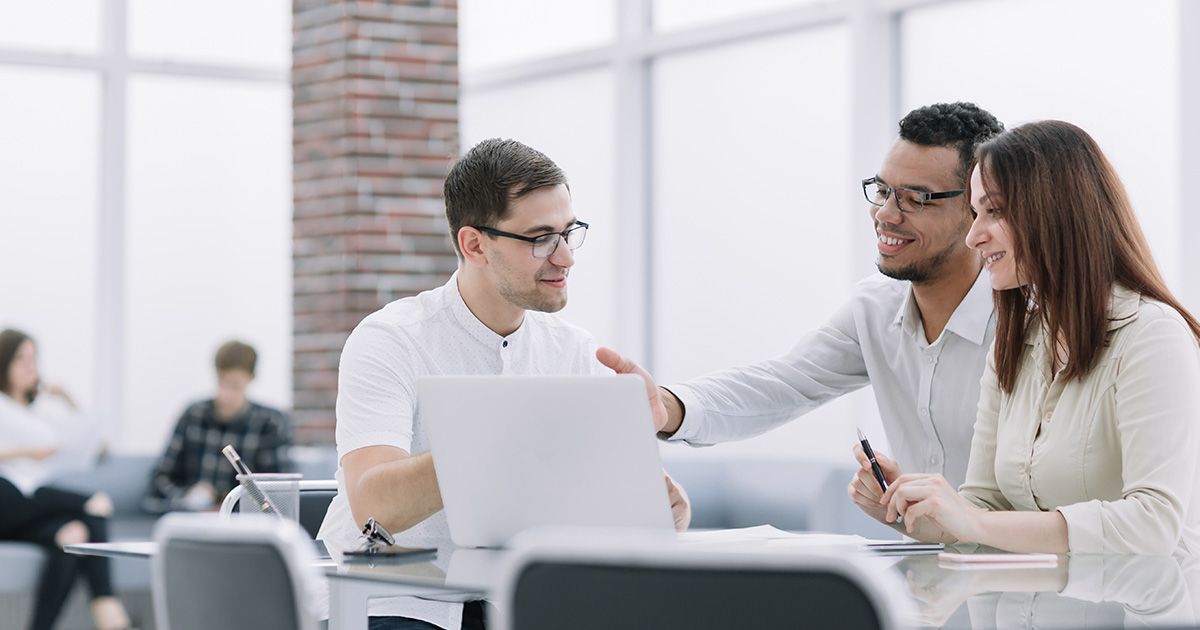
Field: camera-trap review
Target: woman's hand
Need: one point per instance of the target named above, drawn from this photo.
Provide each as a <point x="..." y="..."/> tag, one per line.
<point x="929" y="504"/>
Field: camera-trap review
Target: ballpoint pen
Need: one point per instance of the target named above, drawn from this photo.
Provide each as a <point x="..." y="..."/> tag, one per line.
<point x="866" y="446"/>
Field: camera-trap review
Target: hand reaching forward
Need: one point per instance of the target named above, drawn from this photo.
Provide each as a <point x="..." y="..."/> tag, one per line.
<point x="622" y="365"/>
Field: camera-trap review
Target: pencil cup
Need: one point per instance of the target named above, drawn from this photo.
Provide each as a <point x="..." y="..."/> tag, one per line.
<point x="281" y="489"/>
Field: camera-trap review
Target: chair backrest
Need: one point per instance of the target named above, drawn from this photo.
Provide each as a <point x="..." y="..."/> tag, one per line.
<point x="315" y="497"/>
<point x="669" y="586"/>
<point x="253" y="572"/>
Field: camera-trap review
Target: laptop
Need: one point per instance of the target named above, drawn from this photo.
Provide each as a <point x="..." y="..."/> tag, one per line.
<point x="519" y="452"/>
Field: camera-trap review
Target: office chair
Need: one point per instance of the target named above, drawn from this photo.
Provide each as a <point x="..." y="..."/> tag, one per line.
<point x="250" y="573"/>
<point x="315" y="497"/>
<point x="664" y="586"/>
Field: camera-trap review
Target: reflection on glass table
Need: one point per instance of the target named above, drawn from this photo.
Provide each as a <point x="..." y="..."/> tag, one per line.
<point x="1096" y="592"/>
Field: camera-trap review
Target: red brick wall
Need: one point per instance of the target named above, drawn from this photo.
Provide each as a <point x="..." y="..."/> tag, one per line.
<point x="375" y="128"/>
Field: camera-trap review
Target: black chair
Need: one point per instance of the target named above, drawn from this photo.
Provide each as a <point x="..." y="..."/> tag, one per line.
<point x="664" y="587"/>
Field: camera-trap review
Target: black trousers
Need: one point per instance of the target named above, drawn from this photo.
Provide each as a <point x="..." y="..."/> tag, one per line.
<point x="473" y="619"/>
<point x="37" y="520"/>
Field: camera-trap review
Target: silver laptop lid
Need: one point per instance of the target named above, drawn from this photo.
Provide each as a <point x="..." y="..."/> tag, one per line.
<point x="518" y="452"/>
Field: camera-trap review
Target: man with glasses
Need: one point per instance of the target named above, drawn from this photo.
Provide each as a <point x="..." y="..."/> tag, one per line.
<point x="919" y="334"/>
<point x="515" y="232"/>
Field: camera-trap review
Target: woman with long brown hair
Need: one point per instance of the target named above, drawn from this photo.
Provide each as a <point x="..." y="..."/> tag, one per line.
<point x="1089" y="412"/>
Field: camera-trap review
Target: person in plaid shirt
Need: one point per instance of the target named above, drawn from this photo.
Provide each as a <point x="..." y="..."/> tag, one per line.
<point x="192" y="474"/>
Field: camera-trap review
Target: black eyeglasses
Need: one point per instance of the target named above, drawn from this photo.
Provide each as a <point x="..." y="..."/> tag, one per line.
<point x="909" y="201"/>
<point x="545" y="245"/>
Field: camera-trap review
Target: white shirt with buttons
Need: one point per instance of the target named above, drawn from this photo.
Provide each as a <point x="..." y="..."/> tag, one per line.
<point x="1113" y="452"/>
<point x="927" y="393"/>
<point x="430" y="334"/>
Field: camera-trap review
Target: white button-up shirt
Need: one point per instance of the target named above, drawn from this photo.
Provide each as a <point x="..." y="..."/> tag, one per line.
<point x="1115" y="451"/>
<point x="430" y="334"/>
<point x="927" y="392"/>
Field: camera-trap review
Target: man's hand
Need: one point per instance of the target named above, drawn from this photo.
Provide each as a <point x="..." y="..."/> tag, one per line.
<point x="200" y="497"/>
<point x="864" y="488"/>
<point x="681" y="505"/>
<point x="621" y="365"/>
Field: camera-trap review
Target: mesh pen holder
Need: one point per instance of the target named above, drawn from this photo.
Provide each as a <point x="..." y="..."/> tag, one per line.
<point x="281" y="489"/>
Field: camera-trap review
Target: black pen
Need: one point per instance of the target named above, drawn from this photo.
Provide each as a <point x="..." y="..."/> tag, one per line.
<point x="866" y="446"/>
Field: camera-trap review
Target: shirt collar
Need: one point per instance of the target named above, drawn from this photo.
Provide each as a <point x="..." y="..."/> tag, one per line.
<point x="970" y="319"/>
<point x="1123" y="306"/>
<point x="477" y="329"/>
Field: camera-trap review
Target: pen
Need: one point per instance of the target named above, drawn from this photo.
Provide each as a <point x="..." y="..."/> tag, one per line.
<point x="866" y="446"/>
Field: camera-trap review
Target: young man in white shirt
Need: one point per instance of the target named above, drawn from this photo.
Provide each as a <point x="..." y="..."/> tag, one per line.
<point x="919" y="333"/>
<point x="510" y="215"/>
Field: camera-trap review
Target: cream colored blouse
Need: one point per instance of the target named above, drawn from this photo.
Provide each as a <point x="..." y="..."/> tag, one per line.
<point x="1116" y="452"/>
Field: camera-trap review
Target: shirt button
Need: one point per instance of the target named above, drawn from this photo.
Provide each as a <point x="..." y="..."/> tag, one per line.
<point x="924" y="411"/>
<point x="504" y="344"/>
<point x="1047" y="416"/>
<point x="933" y="459"/>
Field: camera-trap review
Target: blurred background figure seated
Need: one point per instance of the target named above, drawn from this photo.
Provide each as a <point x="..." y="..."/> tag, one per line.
<point x="192" y="474"/>
<point x="42" y="435"/>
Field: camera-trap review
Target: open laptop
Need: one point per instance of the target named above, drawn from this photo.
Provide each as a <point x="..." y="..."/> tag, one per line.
<point x="517" y="452"/>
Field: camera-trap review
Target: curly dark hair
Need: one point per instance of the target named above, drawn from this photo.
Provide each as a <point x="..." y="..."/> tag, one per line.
<point x="962" y="126"/>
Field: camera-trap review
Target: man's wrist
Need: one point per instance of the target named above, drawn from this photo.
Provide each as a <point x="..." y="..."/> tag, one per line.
<point x="675" y="412"/>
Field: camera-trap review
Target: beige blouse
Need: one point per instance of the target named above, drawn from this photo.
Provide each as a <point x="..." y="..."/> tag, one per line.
<point x="1116" y="452"/>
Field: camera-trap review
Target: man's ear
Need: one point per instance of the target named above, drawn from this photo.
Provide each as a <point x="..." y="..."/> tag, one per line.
<point x="470" y="243"/>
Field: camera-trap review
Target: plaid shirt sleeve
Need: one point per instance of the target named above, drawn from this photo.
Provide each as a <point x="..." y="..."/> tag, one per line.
<point x="274" y="440"/>
<point x="164" y="492"/>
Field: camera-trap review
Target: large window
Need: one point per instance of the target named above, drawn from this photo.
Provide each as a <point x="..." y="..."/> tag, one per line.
<point x="738" y="130"/>
<point x="146" y="213"/>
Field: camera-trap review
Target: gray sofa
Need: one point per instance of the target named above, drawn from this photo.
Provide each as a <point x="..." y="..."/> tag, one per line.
<point x="124" y="478"/>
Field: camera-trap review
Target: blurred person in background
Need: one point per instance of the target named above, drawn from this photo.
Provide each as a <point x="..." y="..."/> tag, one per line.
<point x="37" y="423"/>
<point x="192" y="474"/>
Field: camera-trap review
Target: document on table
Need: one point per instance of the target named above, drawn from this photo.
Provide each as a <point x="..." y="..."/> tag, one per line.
<point x="778" y="538"/>
<point x="767" y="534"/>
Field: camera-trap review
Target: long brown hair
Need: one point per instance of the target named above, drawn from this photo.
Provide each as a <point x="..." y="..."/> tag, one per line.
<point x="10" y="342"/>
<point x="1074" y="236"/>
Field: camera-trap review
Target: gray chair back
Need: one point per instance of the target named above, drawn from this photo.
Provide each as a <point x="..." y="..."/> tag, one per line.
<point x="670" y="586"/>
<point x="253" y="572"/>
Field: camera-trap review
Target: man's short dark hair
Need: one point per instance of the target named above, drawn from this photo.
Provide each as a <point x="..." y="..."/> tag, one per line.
<point x="961" y="126"/>
<point x="493" y="173"/>
<point x="236" y="355"/>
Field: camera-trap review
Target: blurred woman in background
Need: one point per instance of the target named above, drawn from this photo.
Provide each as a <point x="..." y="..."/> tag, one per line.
<point x="35" y="512"/>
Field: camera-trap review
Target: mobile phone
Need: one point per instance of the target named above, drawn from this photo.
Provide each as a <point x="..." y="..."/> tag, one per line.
<point x="392" y="553"/>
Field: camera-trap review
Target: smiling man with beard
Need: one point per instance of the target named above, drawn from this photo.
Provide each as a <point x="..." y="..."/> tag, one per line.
<point x="510" y="215"/>
<point x="919" y="334"/>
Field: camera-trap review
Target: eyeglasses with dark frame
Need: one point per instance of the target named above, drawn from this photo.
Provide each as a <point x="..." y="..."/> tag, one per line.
<point x="545" y="245"/>
<point x="877" y="192"/>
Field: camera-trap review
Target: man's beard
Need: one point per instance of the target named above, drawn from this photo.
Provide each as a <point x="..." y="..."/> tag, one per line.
<point x="919" y="272"/>
<point x="531" y="300"/>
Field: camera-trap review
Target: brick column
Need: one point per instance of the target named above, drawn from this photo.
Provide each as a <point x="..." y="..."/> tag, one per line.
<point x="375" y="128"/>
